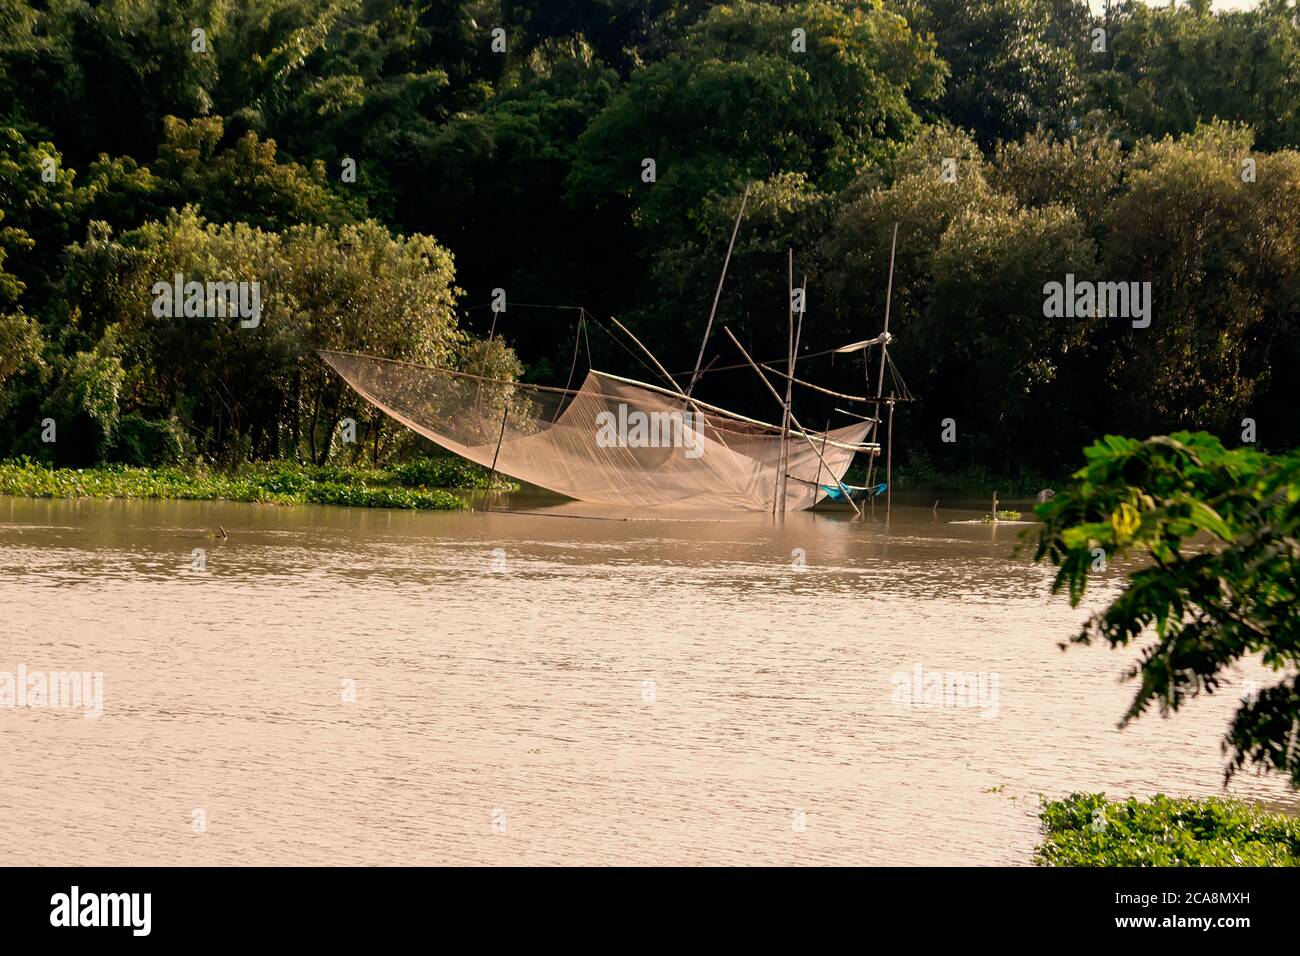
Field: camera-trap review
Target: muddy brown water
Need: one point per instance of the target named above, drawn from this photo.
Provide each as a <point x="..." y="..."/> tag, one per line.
<point x="371" y="686"/>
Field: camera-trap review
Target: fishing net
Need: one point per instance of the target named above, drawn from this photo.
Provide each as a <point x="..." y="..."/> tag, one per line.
<point x="613" y="440"/>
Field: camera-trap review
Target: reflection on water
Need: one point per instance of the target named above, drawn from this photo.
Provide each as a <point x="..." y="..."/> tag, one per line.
<point x="552" y="688"/>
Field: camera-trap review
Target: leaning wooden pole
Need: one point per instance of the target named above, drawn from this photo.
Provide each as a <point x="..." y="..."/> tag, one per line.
<point x="487" y="354"/>
<point x="777" y="395"/>
<point x="487" y="492"/>
<point x="650" y="355"/>
<point x="884" y="352"/>
<point x="664" y="372"/>
<point x="718" y="294"/>
<point x="817" y="485"/>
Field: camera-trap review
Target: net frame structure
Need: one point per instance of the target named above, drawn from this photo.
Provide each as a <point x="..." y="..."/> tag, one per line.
<point x="611" y="440"/>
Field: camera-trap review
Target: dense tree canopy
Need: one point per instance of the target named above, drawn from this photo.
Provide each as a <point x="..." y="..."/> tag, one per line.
<point x="1013" y="143"/>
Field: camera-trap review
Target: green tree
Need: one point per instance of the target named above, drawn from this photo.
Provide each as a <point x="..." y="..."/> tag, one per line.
<point x="84" y="404"/>
<point x="1217" y="532"/>
<point x="1082" y="172"/>
<point x="1011" y="72"/>
<point x="22" y="373"/>
<point x="1167" y="69"/>
<point x="1223" y="259"/>
<point x="1000" y="366"/>
<point x="734" y="102"/>
<point x="515" y="229"/>
<point x="246" y="182"/>
<point x="100" y="77"/>
<point x="258" y="390"/>
<point x="783" y="211"/>
<point x="742" y="98"/>
<point x="38" y="205"/>
<point x="967" y="305"/>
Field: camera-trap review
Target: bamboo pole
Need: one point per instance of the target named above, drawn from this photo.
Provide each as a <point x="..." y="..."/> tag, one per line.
<point x="692" y="403"/>
<point x="783" y="460"/>
<point x="777" y="503"/>
<point x="718" y="294"/>
<point x="789" y="384"/>
<point x="777" y="395"/>
<point x="816" y="388"/>
<point x="573" y="366"/>
<point x="487" y="492"/>
<point x="889" y="459"/>
<point x="845" y="411"/>
<point x="884" y="350"/>
<point x="717" y="411"/>
<point x="817" y="485"/>
<point x="487" y="350"/>
<point x="662" y="371"/>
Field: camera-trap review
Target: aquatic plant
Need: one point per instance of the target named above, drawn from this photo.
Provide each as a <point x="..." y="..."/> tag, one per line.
<point x="420" y="484"/>
<point x="1086" y="829"/>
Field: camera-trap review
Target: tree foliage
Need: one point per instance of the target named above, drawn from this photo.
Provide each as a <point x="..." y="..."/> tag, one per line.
<point x="1217" y="535"/>
<point x="1118" y="161"/>
<point x="261" y="390"/>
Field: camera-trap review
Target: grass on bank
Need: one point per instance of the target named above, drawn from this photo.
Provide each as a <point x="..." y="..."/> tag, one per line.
<point x="1086" y="829"/>
<point x="418" y="484"/>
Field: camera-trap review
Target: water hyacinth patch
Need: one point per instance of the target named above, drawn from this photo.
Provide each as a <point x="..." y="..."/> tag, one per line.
<point x="1086" y="829"/>
<point x="420" y="484"/>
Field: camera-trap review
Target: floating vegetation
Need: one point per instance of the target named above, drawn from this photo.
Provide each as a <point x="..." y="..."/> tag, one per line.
<point x="1086" y="829"/>
<point x="420" y="484"/>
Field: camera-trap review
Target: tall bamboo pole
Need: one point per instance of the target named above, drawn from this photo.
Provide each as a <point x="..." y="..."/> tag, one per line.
<point x="718" y="294"/>
<point x="884" y="351"/>
<point x="789" y="385"/>
<point x="778" y="490"/>
<point x="664" y="372"/>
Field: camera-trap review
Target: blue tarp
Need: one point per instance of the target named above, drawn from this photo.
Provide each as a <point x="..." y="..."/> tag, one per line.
<point x="834" y="493"/>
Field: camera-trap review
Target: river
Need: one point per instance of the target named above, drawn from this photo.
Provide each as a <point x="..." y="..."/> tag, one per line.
<point x="332" y="685"/>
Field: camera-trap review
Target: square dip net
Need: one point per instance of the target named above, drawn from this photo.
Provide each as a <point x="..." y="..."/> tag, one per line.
<point x="612" y="441"/>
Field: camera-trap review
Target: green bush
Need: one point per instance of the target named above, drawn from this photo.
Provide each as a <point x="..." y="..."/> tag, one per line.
<point x="149" y="443"/>
<point x="1086" y="829"/>
<point x="383" y="497"/>
<point x="279" y="483"/>
<point x="441" y="473"/>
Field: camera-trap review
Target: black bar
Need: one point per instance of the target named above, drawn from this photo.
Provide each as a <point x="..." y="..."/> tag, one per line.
<point x="984" y="907"/>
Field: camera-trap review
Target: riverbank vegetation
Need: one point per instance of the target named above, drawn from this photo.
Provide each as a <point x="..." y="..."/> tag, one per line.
<point x="381" y="167"/>
<point x="1086" y="829"/>
<point x="417" y="484"/>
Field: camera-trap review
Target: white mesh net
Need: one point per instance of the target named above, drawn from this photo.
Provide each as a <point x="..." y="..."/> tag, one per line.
<point x="613" y="440"/>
